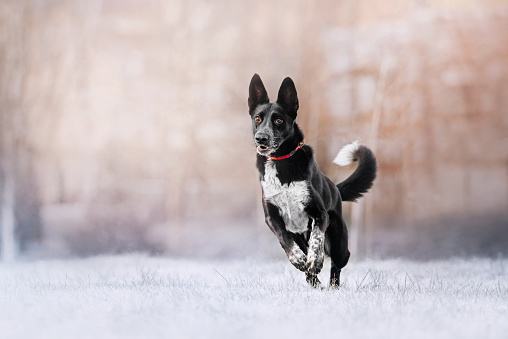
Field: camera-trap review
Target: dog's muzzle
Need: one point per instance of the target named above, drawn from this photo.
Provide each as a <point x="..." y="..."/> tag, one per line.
<point x="263" y="143"/>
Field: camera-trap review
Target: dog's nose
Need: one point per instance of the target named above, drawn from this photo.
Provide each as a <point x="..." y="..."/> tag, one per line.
<point x="261" y="139"/>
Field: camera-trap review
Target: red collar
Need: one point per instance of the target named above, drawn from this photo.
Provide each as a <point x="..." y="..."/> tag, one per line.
<point x="300" y="145"/>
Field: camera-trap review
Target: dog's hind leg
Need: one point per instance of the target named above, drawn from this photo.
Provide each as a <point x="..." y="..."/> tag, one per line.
<point x="337" y="249"/>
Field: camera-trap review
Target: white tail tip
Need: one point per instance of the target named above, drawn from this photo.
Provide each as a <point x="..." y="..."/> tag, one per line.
<point x="346" y="154"/>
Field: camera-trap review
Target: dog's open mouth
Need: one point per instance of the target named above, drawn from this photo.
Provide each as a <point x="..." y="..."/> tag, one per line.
<point x="264" y="150"/>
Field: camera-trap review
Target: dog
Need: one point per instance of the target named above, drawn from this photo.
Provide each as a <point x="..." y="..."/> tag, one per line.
<point x="302" y="207"/>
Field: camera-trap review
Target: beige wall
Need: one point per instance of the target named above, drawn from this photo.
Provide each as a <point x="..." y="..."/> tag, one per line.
<point x="137" y="113"/>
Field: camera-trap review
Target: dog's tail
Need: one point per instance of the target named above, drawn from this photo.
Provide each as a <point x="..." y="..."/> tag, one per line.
<point x="362" y="178"/>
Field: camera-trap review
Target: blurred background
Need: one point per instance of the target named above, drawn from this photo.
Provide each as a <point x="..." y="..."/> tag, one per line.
<point x="124" y="124"/>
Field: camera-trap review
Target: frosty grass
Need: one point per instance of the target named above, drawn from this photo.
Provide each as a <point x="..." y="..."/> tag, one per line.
<point x="138" y="296"/>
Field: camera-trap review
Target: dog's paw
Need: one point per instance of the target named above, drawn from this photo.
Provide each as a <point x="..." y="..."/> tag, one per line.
<point x="334" y="283"/>
<point x="297" y="258"/>
<point x="316" y="254"/>
<point x="313" y="280"/>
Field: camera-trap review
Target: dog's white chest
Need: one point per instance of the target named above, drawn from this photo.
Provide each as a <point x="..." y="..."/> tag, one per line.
<point x="291" y="199"/>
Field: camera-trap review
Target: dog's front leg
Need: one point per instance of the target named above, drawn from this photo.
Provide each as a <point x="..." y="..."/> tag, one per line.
<point x="296" y="255"/>
<point x="276" y="224"/>
<point x="316" y="252"/>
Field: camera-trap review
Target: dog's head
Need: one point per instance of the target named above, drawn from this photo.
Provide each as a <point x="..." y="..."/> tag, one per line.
<point x="272" y="122"/>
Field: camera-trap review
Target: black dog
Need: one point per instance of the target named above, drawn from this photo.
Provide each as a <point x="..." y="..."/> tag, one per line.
<point x="302" y="206"/>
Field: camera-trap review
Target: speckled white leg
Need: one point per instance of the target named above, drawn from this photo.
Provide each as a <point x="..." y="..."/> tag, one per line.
<point x="316" y="253"/>
<point x="297" y="257"/>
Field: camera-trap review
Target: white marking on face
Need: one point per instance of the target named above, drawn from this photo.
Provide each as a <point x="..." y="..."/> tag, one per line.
<point x="291" y="199"/>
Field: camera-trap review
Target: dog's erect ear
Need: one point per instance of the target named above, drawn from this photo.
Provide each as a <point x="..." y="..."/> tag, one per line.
<point x="288" y="98"/>
<point x="257" y="93"/>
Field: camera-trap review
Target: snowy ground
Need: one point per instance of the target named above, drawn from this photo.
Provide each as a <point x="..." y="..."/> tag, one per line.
<point x="138" y="296"/>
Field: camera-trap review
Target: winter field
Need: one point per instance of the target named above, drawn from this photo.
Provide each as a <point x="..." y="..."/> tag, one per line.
<point x="138" y="296"/>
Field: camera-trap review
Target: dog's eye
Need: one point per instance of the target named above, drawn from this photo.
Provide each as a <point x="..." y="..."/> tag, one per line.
<point x="278" y="121"/>
<point x="257" y="119"/>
